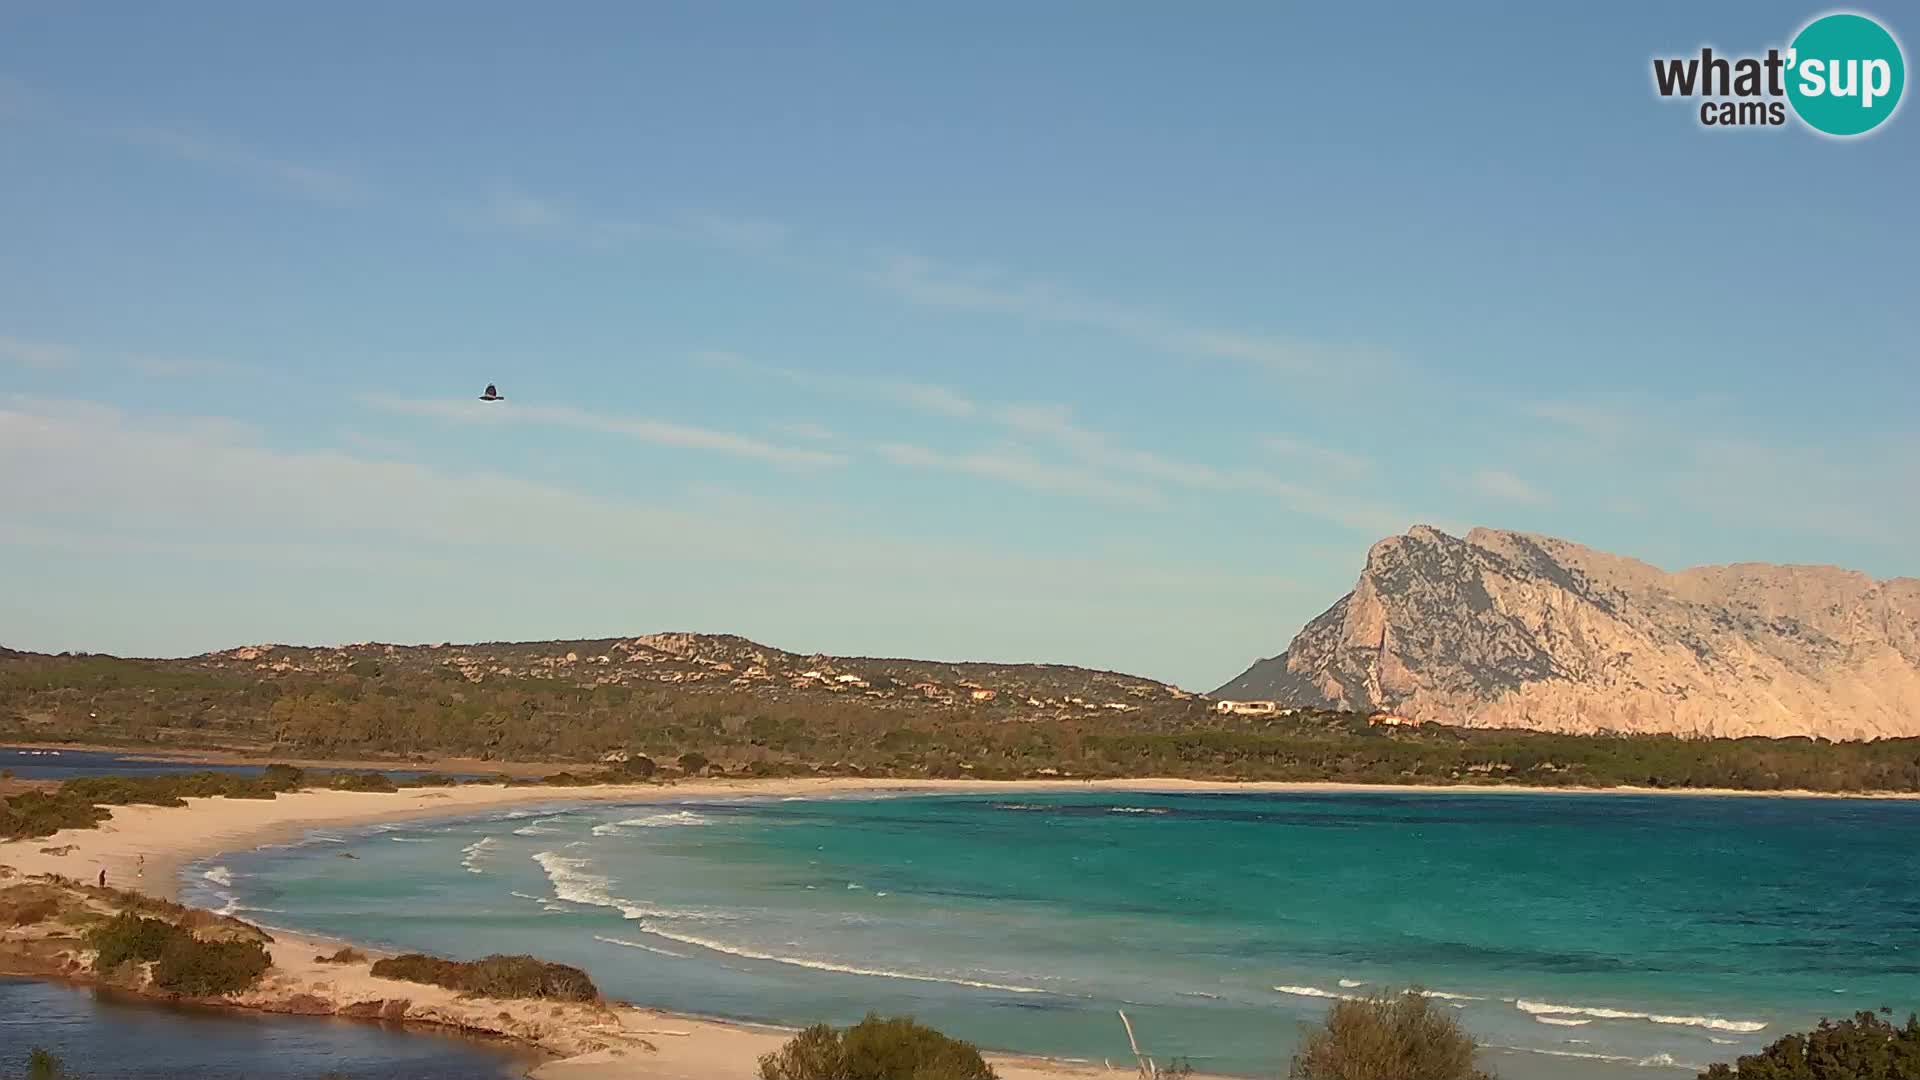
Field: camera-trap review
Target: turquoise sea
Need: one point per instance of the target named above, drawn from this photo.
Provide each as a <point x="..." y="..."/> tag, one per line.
<point x="1577" y="935"/>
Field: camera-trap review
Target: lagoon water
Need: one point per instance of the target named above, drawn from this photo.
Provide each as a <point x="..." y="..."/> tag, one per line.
<point x="1578" y="935"/>
<point x="100" y="1037"/>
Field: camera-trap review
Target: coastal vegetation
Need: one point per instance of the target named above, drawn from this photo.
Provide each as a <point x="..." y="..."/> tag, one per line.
<point x="504" y="977"/>
<point x="1386" y="1037"/>
<point x="183" y="962"/>
<point x="410" y="708"/>
<point x="892" y="1048"/>
<point x="1865" y="1047"/>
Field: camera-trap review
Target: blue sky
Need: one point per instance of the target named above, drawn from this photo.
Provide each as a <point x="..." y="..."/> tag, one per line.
<point x="1105" y="333"/>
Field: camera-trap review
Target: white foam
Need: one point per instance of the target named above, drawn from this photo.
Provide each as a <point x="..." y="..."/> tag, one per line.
<point x="409" y="840"/>
<point x="1309" y="991"/>
<point x="1714" y="1023"/>
<point x="573" y="882"/>
<point x="1443" y="995"/>
<point x="219" y="875"/>
<point x="470" y="855"/>
<point x="640" y="946"/>
<point x="1563" y="1021"/>
<point x="1351" y="983"/>
<point x="825" y="965"/>
<point x="653" y="821"/>
<point x="1657" y="1061"/>
<point x="1721" y="1042"/>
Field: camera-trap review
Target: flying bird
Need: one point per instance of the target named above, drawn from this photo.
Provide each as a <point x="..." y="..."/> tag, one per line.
<point x="491" y="394"/>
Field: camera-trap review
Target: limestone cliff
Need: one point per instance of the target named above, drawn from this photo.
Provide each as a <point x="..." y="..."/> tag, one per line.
<point x="1506" y="629"/>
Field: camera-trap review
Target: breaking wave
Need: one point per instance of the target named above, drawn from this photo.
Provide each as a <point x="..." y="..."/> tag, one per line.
<point x="470" y="855"/>
<point x="653" y="821"/>
<point x="1713" y="1023"/>
<point x="641" y="946"/>
<point x="219" y="875"/>
<point x="826" y="965"/>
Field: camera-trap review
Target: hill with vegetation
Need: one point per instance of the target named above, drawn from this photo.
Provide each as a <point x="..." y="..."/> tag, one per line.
<point x="709" y="702"/>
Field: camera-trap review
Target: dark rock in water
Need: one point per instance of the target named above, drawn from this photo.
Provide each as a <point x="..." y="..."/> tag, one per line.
<point x="348" y="855"/>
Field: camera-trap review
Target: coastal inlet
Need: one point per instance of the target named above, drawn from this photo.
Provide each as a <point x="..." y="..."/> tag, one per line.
<point x="1590" y="935"/>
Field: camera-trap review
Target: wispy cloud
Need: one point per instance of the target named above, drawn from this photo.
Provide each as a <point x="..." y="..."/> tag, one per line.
<point x="1023" y="472"/>
<point x="926" y="397"/>
<point x="311" y="181"/>
<point x="1503" y="485"/>
<point x="1322" y="458"/>
<point x="185" y="367"/>
<point x="35" y="354"/>
<point x="1588" y="418"/>
<point x="925" y="281"/>
<point x="752" y="235"/>
<point x="656" y="432"/>
<point x="806" y="429"/>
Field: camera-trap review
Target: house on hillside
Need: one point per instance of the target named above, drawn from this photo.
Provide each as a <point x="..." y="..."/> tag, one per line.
<point x="1247" y="708"/>
<point x="980" y="694"/>
<point x="1387" y="719"/>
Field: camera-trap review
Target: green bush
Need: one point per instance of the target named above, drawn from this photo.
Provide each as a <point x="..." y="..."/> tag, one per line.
<point x="1387" y="1037"/>
<point x="346" y="954"/>
<point x="1863" y="1048"/>
<point x="894" y="1048"/>
<point x="361" y="781"/>
<point x="188" y="965"/>
<point x="129" y="937"/>
<point x="494" y="976"/>
<point x="693" y="763"/>
<point x="182" y="962"/>
<point x="42" y="1065"/>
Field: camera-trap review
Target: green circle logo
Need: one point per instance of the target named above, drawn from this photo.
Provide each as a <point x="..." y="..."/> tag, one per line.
<point x="1845" y="74"/>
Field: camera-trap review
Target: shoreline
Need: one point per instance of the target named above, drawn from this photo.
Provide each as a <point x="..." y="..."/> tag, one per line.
<point x="171" y="837"/>
<point x="640" y="1042"/>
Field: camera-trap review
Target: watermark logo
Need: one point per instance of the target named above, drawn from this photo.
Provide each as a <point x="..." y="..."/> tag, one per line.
<point x="1842" y="75"/>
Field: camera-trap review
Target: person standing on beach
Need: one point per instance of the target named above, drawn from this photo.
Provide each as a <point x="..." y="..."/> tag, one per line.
<point x="103" y="877"/>
<point x="140" y="867"/>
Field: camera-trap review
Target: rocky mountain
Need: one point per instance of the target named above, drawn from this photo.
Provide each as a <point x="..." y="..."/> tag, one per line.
<point x="1507" y="629"/>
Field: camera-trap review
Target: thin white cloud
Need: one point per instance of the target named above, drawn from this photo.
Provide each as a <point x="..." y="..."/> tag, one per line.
<point x="185" y="367"/>
<point x="35" y="354"/>
<point x="926" y="397"/>
<point x="1588" y="418"/>
<point x="1322" y="458"/>
<point x="1022" y="472"/>
<point x="1504" y="485"/>
<point x="656" y="432"/>
<point x="927" y="282"/>
<point x="752" y="235"/>
<point x="311" y="181"/>
<point x="806" y="429"/>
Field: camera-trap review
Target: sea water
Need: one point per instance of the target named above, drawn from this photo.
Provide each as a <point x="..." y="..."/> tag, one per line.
<point x="1576" y="935"/>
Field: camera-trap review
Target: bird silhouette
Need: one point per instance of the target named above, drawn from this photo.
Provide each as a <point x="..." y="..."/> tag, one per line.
<point x="491" y="394"/>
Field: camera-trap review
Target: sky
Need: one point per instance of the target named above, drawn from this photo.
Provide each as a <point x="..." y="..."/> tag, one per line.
<point x="1102" y="333"/>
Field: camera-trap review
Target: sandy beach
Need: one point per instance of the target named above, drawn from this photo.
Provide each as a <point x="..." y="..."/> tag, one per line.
<point x="145" y="848"/>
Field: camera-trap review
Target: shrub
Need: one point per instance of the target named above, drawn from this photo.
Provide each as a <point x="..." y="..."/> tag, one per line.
<point x="1863" y="1048"/>
<point x="188" y="965"/>
<point x="895" y="1048"/>
<point x="361" y="781"/>
<point x="346" y="954"/>
<point x="283" y="777"/>
<point x="1387" y="1037"/>
<point x="639" y="765"/>
<point x="182" y="962"/>
<point x="493" y="976"/>
<point x="29" y="912"/>
<point x="129" y="937"/>
<point x="42" y="1065"/>
<point x="693" y="762"/>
